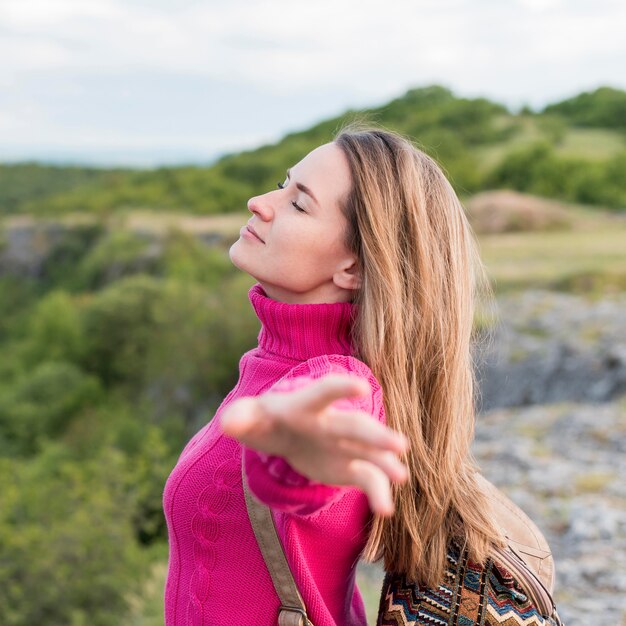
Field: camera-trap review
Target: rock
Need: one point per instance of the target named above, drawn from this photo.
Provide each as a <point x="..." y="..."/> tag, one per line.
<point x="549" y="347"/>
<point x="572" y="483"/>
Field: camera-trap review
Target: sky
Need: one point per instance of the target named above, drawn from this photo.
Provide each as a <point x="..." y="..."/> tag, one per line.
<point x="142" y="83"/>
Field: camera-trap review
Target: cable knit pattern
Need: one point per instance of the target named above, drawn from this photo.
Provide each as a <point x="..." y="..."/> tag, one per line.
<point x="216" y="573"/>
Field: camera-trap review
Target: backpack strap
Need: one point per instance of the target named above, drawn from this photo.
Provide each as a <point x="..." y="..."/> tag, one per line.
<point x="292" y="611"/>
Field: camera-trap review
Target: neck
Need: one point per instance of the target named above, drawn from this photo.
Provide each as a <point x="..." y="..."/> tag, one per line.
<point x="303" y="330"/>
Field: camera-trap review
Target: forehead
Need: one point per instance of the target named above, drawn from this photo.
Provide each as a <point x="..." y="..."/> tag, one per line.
<point x="326" y="172"/>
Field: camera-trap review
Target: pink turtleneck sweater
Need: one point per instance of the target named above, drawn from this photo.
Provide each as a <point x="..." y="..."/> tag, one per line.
<point x="216" y="573"/>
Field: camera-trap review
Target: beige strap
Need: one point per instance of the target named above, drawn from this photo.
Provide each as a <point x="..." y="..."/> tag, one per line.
<point x="292" y="610"/>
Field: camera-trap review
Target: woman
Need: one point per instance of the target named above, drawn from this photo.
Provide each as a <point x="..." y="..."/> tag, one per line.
<point x="366" y="274"/>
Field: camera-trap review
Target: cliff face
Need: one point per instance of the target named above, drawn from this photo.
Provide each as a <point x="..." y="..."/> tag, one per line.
<point x="26" y="246"/>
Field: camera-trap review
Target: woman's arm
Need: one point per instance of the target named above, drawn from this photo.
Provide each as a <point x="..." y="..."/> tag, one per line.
<point x="317" y="431"/>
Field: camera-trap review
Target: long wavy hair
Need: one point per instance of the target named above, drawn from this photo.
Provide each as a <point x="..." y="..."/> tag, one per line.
<point x="420" y="277"/>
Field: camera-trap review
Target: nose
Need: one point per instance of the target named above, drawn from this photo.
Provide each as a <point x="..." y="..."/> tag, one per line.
<point x="261" y="207"/>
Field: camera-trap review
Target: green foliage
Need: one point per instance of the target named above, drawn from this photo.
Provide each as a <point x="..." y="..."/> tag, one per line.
<point x="538" y="170"/>
<point x="119" y="324"/>
<point x="68" y="556"/>
<point x="186" y="258"/>
<point x="42" y="404"/>
<point x="30" y="182"/>
<point x="55" y="330"/>
<point x="106" y="372"/>
<point x="117" y="254"/>
<point x="17" y="295"/>
<point x="190" y="189"/>
<point x="447" y="149"/>
<point x="76" y="242"/>
<point x="553" y="127"/>
<point x="453" y="130"/>
<point x="604" y="107"/>
<point x="172" y="344"/>
<point x="149" y="467"/>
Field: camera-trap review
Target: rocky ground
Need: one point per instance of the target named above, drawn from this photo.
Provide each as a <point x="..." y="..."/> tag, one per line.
<point x="552" y="435"/>
<point x="565" y="465"/>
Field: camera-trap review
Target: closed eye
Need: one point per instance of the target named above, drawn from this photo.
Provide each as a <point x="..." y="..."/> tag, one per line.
<point x="295" y="204"/>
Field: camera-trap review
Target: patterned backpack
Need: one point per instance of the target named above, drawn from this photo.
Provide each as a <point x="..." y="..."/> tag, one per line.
<point x="512" y="589"/>
<point x="470" y="595"/>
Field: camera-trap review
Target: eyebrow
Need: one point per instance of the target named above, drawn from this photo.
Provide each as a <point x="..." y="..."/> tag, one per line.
<point x="304" y="188"/>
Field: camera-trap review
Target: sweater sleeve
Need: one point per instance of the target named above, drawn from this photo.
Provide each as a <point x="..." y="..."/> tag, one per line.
<point x="271" y="479"/>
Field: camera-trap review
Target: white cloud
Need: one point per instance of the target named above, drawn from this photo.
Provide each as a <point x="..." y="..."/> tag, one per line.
<point x="355" y="52"/>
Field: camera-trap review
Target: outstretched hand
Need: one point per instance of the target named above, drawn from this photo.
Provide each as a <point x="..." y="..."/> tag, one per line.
<point x="324" y="443"/>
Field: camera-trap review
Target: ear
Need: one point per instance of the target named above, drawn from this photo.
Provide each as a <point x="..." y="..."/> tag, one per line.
<point x="348" y="275"/>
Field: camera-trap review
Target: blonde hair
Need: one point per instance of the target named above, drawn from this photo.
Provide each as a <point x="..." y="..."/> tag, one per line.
<point x="421" y="272"/>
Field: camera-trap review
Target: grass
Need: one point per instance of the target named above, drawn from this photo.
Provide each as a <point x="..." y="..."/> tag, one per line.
<point x="590" y="258"/>
<point x="527" y="133"/>
<point x="590" y="143"/>
<point x="584" y="143"/>
<point x="594" y="482"/>
<point x="156" y="222"/>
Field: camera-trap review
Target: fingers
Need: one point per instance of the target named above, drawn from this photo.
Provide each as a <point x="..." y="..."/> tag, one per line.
<point x="385" y="460"/>
<point x="360" y="427"/>
<point x="323" y="391"/>
<point x="375" y="484"/>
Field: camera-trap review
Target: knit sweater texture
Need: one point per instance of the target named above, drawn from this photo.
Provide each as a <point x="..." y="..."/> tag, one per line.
<point x="216" y="572"/>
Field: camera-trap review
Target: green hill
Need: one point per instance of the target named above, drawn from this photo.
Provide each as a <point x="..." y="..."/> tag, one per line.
<point x="576" y="150"/>
<point x="603" y="108"/>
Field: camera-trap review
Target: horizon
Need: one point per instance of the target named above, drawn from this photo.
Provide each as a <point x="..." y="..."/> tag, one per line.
<point x="153" y="158"/>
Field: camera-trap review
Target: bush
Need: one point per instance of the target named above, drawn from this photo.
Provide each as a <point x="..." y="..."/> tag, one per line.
<point x="118" y="254"/>
<point x="539" y="171"/>
<point x="68" y="556"/>
<point x="55" y="330"/>
<point x="17" y="295"/>
<point x="186" y="258"/>
<point x="119" y="327"/>
<point x="42" y="403"/>
<point x="66" y="255"/>
<point x="174" y="346"/>
<point x="604" y="107"/>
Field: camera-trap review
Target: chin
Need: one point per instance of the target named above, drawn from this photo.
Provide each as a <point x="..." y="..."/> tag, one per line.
<point x="238" y="262"/>
<point x="232" y="254"/>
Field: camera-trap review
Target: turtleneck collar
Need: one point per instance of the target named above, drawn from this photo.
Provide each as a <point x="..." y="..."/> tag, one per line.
<point x="302" y="331"/>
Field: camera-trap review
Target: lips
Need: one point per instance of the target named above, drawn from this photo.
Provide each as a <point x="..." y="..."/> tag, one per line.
<point x="254" y="232"/>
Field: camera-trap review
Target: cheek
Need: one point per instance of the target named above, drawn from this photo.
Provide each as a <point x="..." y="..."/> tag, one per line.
<point x="309" y="245"/>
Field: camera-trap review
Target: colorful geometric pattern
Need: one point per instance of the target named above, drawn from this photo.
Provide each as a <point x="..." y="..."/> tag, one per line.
<point x="470" y="595"/>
